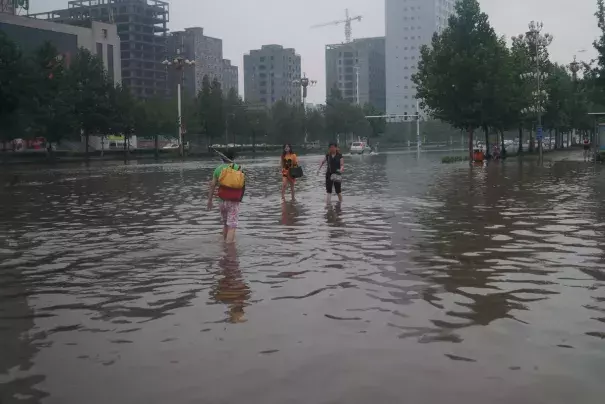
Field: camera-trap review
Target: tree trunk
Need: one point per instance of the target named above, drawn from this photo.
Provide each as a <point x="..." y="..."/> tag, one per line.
<point x="86" y="139"/>
<point x="253" y="141"/>
<point x="49" y="151"/>
<point x="487" y="149"/>
<point x="470" y="144"/>
<point x="156" y="142"/>
<point x="532" y="143"/>
<point x="125" y="148"/>
<point x="503" y="147"/>
<point x="520" y="138"/>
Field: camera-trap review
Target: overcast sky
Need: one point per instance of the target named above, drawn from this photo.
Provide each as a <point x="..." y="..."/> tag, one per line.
<point x="248" y="24"/>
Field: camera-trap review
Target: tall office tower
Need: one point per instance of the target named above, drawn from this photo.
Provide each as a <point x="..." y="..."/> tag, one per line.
<point x="409" y="25"/>
<point x="270" y="74"/>
<point x="357" y="69"/>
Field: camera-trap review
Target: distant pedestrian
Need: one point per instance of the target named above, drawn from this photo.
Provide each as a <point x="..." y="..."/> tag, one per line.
<point x="586" y="144"/>
<point x="231" y="182"/>
<point x="289" y="169"/>
<point x="335" y="167"/>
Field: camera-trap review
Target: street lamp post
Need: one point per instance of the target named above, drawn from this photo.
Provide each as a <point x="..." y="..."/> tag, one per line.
<point x="358" y="99"/>
<point x="537" y="42"/>
<point x="179" y="63"/>
<point x="305" y="83"/>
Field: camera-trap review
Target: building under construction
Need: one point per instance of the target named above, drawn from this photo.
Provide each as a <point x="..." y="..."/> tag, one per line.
<point x="142" y="27"/>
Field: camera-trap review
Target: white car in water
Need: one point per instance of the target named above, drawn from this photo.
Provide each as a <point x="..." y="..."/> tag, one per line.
<point x="360" y="147"/>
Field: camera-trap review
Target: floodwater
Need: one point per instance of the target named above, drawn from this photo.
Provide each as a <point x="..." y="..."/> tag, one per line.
<point x="431" y="284"/>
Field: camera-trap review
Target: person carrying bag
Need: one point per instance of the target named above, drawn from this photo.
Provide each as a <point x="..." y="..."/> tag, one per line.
<point x="336" y="166"/>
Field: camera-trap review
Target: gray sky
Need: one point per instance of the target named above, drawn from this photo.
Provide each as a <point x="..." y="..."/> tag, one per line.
<point x="248" y="24"/>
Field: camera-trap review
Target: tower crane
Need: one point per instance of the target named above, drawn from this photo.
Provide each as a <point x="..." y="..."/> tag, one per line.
<point x="347" y="22"/>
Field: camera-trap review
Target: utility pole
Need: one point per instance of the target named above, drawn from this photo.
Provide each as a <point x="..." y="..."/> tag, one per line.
<point x="179" y="63"/>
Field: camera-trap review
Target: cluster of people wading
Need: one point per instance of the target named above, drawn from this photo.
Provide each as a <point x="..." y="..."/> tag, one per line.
<point x="229" y="183"/>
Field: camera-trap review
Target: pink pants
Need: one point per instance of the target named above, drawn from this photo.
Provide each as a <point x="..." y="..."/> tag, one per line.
<point x="230" y="213"/>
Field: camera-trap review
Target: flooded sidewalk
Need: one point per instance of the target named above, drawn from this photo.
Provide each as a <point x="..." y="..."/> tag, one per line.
<point x="431" y="283"/>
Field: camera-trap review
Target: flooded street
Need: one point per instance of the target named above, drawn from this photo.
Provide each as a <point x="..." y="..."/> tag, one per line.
<point x="431" y="283"/>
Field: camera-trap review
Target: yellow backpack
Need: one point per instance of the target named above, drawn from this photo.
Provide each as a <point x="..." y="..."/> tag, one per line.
<point x="232" y="178"/>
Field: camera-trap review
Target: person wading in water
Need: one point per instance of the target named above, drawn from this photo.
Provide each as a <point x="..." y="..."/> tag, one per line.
<point x="336" y="166"/>
<point x="586" y="148"/>
<point x="231" y="183"/>
<point x="288" y="161"/>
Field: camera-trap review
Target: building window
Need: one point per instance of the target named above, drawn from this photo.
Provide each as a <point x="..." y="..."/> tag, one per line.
<point x="110" y="62"/>
<point x="100" y="50"/>
<point x="104" y="33"/>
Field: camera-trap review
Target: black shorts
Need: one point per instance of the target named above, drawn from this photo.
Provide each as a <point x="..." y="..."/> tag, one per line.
<point x="330" y="185"/>
<point x="586" y="147"/>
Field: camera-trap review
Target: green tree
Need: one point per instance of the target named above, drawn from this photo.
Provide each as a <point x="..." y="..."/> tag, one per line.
<point x="204" y="101"/>
<point x="12" y="80"/>
<point x="90" y="94"/>
<point x="48" y="108"/>
<point x="237" y="118"/>
<point x="316" y="125"/>
<point x="124" y="109"/>
<point x="156" y="117"/>
<point x="378" y="125"/>
<point x="599" y="45"/>
<point x="283" y="127"/>
<point x="217" y="117"/>
<point x="454" y="78"/>
<point x="522" y="98"/>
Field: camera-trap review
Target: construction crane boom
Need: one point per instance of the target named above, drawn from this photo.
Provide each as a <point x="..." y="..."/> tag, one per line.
<point x="347" y="22"/>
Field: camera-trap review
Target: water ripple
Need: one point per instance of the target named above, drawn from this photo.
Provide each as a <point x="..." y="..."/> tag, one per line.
<point x="118" y="274"/>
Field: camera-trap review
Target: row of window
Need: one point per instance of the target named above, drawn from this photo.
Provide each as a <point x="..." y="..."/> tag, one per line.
<point x="348" y="62"/>
<point x="263" y="58"/>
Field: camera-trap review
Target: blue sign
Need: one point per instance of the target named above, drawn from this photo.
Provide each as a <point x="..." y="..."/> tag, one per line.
<point x="539" y="133"/>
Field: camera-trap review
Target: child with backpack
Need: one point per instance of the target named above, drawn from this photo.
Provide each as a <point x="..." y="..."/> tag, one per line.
<point x="231" y="183"/>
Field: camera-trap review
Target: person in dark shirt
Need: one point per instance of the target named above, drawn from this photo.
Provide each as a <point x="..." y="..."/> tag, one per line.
<point x="335" y="167"/>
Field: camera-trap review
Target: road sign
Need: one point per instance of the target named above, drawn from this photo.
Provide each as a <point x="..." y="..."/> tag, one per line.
<point x="539" y="133"/>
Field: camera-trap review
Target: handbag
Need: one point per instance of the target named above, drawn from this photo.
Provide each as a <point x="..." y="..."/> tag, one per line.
<point x="335" y="177"/>
<point x="296" y="172"/>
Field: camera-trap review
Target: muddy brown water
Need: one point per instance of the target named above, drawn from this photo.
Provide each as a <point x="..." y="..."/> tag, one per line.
<point x="430" y="283"/>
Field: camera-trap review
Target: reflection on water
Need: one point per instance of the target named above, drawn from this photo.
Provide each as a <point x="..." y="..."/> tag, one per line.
<point x="231" y="289"/>
<point x="427" y="282"/>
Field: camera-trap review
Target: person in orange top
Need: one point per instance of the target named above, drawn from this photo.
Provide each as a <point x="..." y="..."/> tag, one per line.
<point x="288" y="160"/>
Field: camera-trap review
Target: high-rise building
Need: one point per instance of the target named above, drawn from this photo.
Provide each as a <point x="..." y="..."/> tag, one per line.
<point x="409" y="25"/>
<point x="142" y="27"/>
<point x="270" y="75"/>
<point x="207" y="52"/>
<point x="99" y="38"/>
<point x="230" y="77"/>
<point x="357" y="69"/>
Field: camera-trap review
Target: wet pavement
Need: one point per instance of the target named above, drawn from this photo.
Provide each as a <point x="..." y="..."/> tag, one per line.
<point x="430" y="283"/>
